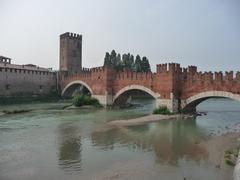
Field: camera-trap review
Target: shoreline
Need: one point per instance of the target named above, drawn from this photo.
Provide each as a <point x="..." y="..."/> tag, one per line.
<point x="216" y="147"/>
<point x="146" y="119"/>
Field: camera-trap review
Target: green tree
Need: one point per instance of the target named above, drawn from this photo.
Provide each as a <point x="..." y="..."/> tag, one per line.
<point x="119" y="64"/>
<point x="128" y="61"/>
<point x="131" y="62"/>
<point x="113" y="58"/>
<point x="107" y="59"/>
<point x="125" y="60"/>
<point x="145" y="66"/>
<point x="137" y="65"/>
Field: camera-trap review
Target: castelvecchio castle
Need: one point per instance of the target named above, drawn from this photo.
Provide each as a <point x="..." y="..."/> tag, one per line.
<point x="171" y="85"/>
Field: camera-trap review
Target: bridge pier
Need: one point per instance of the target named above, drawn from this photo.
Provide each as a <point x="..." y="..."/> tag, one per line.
<point x="172" y="104"/>
<point x="105" y="100"/>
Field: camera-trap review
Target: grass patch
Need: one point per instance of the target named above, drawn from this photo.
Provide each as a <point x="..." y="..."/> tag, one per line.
<point x="81" y="100"/>
<point x="162" y="110"/>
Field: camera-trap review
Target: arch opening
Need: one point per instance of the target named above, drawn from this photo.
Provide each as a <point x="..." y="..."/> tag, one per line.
<point x="190" y="105"/>
<point x="135" y="96"/>
<point x="76" y="88"/>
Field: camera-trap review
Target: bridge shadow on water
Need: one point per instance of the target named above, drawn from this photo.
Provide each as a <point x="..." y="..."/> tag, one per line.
<point x="169" y="142"/>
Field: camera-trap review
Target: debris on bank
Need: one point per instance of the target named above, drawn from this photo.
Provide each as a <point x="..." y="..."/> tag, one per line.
<point x="15" y="111"/>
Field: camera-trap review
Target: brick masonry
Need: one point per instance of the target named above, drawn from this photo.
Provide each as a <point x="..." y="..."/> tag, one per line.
<point x="25" y="80"/>
<point x="173" y="86"/>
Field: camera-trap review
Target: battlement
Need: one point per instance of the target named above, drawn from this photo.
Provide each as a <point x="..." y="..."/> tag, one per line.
<point x="172" y="67"/>
<point x="71" y="35"/>
<point x="162" y="68"/>
<point x="192" y="69"/>
<point x="86" y="70"/>
<point x="98" y="69"/>
<point x="130" y="75"/>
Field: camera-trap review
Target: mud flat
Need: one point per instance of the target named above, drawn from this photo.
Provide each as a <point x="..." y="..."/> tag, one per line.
<point x="146" y="119"/>
<point x="216" y="146"/>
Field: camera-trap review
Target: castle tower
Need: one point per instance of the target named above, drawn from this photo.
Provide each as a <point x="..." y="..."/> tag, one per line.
<point x="70" y="52"/>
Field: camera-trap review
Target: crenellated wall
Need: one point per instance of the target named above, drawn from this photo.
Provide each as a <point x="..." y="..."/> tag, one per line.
<point x="171" y="85"/>
<point x="25" y="80"/>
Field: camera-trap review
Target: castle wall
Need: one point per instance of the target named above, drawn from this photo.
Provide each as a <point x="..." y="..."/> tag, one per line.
<point x="197" y="82"/>
<point x="18" y="80"/>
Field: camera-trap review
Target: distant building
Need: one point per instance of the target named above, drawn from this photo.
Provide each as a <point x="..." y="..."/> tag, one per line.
<point x="4" y="59"/>
<point x="25" y="80"/>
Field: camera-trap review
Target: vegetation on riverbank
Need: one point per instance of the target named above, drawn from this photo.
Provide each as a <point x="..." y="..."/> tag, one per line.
<point x="230" y="156"/>
<point x="81" y="100"/>
<point x="162" y="110"/>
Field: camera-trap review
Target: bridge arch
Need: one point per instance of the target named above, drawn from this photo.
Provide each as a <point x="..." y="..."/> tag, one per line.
<point x="191" y="103"/>
<point x="134" y="87"/>
<point x="77" y="82"/>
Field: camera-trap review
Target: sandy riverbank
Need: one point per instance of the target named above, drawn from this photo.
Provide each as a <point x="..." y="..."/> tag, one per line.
<point x="216" y="146"/>
<point x="145" y="119"/>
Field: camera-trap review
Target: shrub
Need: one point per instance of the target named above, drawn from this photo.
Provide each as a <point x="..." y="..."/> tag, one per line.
<point x="229" y="162"/>
<point x="162" y="110"/>
<point x="81" y="100"/>
<point x="78" y="101"/>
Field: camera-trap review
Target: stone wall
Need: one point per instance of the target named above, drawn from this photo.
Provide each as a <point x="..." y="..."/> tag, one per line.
<point x="26" y="80"/>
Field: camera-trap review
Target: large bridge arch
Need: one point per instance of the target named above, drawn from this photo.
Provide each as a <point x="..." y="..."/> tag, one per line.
<point x="190" y="103"/>
<point x="77" y="82"/>
<point x="134" y="87"/>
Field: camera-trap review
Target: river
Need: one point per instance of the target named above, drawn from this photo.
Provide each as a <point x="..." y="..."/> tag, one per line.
<point x="50" y="143"/>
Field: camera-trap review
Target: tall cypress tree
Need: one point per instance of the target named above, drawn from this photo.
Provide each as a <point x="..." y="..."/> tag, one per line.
<point x="118" y="65"/>
<point x="131" y="62"/>
<point x="145" y="66"/>
<point x="107" y="59"/>
<point x="138" y="63"/>
<point x="113" y="58"/>
<point x="127" y="61"/>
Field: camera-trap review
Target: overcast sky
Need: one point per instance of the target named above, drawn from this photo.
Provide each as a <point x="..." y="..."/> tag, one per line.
<point x="205" y="33"/>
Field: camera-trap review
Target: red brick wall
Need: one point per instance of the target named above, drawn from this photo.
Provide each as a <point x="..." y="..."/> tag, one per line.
<point x="169" y="78"/>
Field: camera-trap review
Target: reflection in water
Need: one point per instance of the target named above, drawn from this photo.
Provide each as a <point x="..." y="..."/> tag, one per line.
<point x="87" y="150"/>
<point x="170" y="141"/>
<point x="69" y="147"/>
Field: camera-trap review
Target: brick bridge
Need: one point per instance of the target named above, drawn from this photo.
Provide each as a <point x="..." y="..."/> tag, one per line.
<point x="172" y="86"/>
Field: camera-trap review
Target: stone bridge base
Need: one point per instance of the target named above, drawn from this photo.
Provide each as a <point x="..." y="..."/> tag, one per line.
<point x="105" y="100"/>
<point x="171" y="104"/>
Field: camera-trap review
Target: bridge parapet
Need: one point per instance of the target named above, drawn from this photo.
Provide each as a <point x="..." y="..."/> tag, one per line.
<point x="168" y="67"/>
<point x="172" y="82"/>
<point x="130" y="75"/>
<point x="228" y="76"/>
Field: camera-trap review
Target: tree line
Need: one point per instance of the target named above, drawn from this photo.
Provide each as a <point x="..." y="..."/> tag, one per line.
<point x="128" y="61"/>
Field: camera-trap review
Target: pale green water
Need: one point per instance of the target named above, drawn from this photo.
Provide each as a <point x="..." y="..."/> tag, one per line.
<point x="75" y="144"/>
